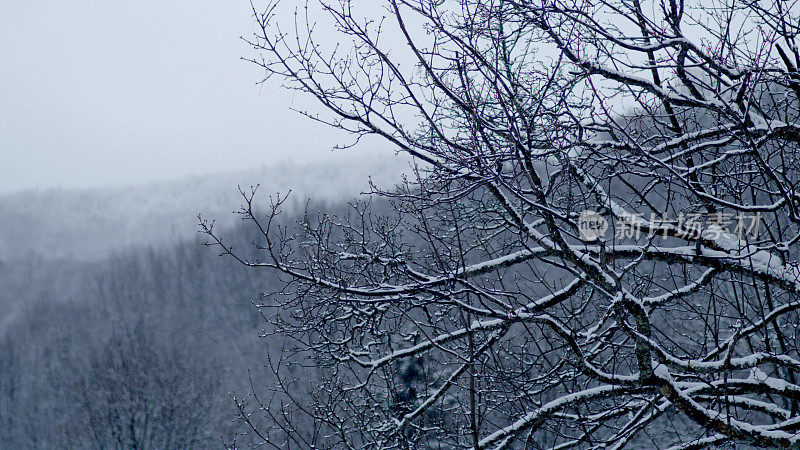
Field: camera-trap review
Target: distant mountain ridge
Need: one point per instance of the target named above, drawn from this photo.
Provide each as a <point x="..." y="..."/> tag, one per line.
<point x="88" y="224"/>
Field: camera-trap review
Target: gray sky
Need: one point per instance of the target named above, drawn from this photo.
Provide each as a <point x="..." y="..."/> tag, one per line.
<point x="111" y="92"/>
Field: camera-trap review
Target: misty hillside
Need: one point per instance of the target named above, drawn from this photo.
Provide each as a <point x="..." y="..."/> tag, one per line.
<point x="87" y="224"/>
<point x="142" y="344"/>
<point x="148" y="339"/>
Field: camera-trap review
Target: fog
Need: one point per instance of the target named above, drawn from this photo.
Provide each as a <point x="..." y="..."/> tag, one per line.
<point x="121" y="122"/>
<point x="109" y="93"/>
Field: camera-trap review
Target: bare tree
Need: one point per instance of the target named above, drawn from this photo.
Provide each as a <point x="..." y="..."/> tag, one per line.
<point x="491" y="307"/>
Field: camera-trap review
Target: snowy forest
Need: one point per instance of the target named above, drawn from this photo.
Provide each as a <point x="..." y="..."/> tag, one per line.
<point x="114" y="344"/>
<point x="594" y="245"/>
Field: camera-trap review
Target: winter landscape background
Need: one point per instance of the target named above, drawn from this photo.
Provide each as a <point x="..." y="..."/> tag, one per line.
<point x="118" y="328"/>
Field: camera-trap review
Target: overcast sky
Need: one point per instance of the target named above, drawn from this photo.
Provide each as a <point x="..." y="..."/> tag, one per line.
<point x="110" y="92"/>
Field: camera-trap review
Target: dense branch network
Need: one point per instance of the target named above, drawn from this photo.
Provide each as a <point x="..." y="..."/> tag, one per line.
<point x="473" y="312"/>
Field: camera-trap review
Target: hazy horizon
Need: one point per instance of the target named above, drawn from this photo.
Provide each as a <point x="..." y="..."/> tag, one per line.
<point x="112" y="94"/>
<point x="333" y="158"/>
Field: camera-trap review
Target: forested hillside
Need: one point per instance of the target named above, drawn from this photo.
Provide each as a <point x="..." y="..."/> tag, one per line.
<point x="88" y="224"/>
<point x="141" y="348"/>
